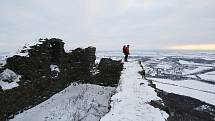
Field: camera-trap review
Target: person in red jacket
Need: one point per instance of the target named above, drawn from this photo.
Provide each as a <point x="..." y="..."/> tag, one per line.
<point x="126" y="52"/>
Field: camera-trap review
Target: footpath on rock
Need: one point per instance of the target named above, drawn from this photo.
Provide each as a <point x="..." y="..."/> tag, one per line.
<point x="132" y="100"/>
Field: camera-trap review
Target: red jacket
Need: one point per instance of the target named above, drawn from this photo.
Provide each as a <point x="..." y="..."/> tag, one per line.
<point x="127" y="50"/>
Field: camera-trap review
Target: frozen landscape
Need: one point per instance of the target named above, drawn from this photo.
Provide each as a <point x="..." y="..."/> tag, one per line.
<point x="186" y="73"/>
<point x="67" y="60"/>
<point x="190" y="73"/>
<point x="183" y="79"/>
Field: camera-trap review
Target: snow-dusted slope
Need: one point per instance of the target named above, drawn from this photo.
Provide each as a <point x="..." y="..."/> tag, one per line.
<point x="85" y="102"/>
<point x="192" y="88"/>
<point x="131" y="102"/>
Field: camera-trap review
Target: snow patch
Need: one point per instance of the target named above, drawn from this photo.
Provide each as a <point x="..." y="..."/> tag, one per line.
<point x="192" y="70"/>
<point x="205" y="108"/>
<point x="54" y="68"/>
<point x="22" y="51"/>
<point x="186" y="62"/>
<point x="3" y="62"/>
<point x="9" y="79"/>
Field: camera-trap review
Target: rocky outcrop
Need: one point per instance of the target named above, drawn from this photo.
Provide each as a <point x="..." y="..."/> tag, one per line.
<point x="48" y="69"/>
<point x="110" y="71"/>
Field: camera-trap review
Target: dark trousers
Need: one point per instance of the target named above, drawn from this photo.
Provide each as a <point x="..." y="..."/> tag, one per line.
<point x="126" y="57"/>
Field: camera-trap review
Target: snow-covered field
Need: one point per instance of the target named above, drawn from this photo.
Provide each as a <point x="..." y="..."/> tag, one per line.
<point x="187" y="76"/>
<point x="78" y="102"/>
<point x="210" y="76"/>
<point x="192" y="88"/>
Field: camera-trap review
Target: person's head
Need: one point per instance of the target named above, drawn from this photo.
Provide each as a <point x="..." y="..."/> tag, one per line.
<point x="128" y="45"/>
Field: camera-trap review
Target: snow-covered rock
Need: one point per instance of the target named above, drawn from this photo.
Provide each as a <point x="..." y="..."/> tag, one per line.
<point x="54" y="68"/>
<point x="85" y="102"/>
<point x="9" y="79"/>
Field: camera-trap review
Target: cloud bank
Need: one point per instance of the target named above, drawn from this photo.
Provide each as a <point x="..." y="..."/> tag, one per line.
<point x="108" y="24"/>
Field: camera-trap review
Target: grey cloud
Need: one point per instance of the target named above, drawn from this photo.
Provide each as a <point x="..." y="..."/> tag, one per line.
<point x="108" y="23"/>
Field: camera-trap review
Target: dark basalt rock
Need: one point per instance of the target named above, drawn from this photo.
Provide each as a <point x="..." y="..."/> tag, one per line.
<point x="1" y="69"/>
<point x="110" y="71"/>
<point x="159" y="104"/>
<point x="107" y="65"/>
<point x="38" y="82"/>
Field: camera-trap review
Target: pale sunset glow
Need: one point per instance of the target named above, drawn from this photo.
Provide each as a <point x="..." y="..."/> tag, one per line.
<point x="194" y="47"/>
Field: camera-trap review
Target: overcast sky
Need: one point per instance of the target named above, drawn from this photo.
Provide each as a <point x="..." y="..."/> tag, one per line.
<point x="108" y="24"/>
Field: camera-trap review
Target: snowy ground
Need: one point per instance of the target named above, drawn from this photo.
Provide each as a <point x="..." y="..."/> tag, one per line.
<point x="83" y="102"/>
<point x="131" y="102"/>
<point x="208" y="76"/>
<point x="192" y="88"/>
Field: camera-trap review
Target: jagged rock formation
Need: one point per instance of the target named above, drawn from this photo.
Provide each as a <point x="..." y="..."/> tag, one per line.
<point x="48" y="69"/>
